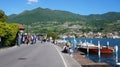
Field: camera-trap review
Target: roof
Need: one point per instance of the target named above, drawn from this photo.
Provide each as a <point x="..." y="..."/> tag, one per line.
<point x="21" y="27"/>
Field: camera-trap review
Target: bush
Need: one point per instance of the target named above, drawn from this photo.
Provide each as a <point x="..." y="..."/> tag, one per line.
<point x="8" y="34"/>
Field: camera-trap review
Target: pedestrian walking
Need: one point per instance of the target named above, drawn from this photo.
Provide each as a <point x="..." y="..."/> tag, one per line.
<point x="19" y="39"/>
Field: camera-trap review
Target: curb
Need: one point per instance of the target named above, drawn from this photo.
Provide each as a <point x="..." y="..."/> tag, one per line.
<point x="65" y="64"/>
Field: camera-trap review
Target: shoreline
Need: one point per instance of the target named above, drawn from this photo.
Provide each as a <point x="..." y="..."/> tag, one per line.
<point x="84" y="61"/>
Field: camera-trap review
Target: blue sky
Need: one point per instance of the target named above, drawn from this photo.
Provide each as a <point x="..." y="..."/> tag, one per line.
<point x="82" y="7"/>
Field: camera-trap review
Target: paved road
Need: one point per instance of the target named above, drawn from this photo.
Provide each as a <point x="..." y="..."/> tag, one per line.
<point x="38" y="55"/>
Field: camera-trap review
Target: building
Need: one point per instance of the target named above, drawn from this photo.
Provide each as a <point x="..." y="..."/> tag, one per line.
<point x="21" y="28"/>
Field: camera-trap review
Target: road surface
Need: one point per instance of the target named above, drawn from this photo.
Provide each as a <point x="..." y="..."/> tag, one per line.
<point x="37" y="55"/>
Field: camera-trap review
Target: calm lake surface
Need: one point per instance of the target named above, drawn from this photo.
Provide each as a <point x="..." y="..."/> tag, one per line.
<point x="110" y="59"/>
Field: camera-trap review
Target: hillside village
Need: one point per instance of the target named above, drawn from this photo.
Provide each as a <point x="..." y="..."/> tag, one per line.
<point x="91" y="35"/>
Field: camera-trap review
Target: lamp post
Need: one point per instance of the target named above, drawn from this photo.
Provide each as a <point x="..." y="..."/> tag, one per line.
<point x="27" y="28"/>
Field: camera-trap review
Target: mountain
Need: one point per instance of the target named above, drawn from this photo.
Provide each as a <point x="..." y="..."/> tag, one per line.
<point x="111" y="16"/>
<point x="43" y="15"/>
<point x="104" y="21"/>
<point x="44" y="20"/>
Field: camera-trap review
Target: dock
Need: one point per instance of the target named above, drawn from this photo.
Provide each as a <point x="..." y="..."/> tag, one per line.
<point x="85" y="62"/>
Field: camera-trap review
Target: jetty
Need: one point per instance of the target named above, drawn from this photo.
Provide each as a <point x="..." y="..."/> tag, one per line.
<point x="85" y="62"/>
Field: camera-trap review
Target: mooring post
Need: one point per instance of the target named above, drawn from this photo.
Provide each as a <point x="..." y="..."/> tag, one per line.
<point x="108" y="44"/>
<point x="116" y="53"/>
<point x="91" y="41"/>
<point x="99" y="55"/>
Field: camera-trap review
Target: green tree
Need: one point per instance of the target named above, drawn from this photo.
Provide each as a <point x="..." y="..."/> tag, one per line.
<point x="8" y="34"/>
<point x="11" y="34"/>
<point x="2" y="29"/>
<point x="3" y="17"/>
<point x="53" y="35"/>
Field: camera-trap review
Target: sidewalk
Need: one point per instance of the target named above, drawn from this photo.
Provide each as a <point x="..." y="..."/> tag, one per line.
<point x="70" y="62"/>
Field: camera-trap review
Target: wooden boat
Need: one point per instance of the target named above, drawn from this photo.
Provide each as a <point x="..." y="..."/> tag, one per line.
<point x="104" y="50"/>
<point x="93" y="49"/>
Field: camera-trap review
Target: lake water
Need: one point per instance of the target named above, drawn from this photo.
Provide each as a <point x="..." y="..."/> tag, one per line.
<point x="110" y="59"/>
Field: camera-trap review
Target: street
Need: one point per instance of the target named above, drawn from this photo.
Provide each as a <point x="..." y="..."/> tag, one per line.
<point x="36" y="55"/>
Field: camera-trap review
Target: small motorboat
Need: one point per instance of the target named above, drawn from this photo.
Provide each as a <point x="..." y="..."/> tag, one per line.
<point x="94" y="49"/>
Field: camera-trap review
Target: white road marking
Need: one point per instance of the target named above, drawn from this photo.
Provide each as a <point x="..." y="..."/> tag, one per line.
<point x="65" y="64"/>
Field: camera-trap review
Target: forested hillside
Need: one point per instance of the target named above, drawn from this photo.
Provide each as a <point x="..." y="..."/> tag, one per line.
<point x="46" y="20"/>
<point x="44" y="15"/>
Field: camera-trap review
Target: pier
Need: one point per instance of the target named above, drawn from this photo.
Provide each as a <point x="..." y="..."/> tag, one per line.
<point x="85" y="62"/>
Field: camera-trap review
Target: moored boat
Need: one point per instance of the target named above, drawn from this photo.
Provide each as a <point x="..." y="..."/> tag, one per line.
<point x="93" y="49"/>
<point x="103" y="50"/>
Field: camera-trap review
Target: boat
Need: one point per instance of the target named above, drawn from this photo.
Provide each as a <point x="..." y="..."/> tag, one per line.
<point x="93" y="49"/>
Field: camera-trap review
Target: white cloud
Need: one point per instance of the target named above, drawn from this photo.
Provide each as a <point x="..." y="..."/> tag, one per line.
<point x="32" y="1"/>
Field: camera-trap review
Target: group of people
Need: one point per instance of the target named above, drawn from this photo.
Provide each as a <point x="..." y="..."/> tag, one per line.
<point x="68" y="49"/>
<point x="26" y="39"/>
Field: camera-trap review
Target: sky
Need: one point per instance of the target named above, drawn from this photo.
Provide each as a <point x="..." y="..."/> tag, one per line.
<point x="82" y="7"/>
